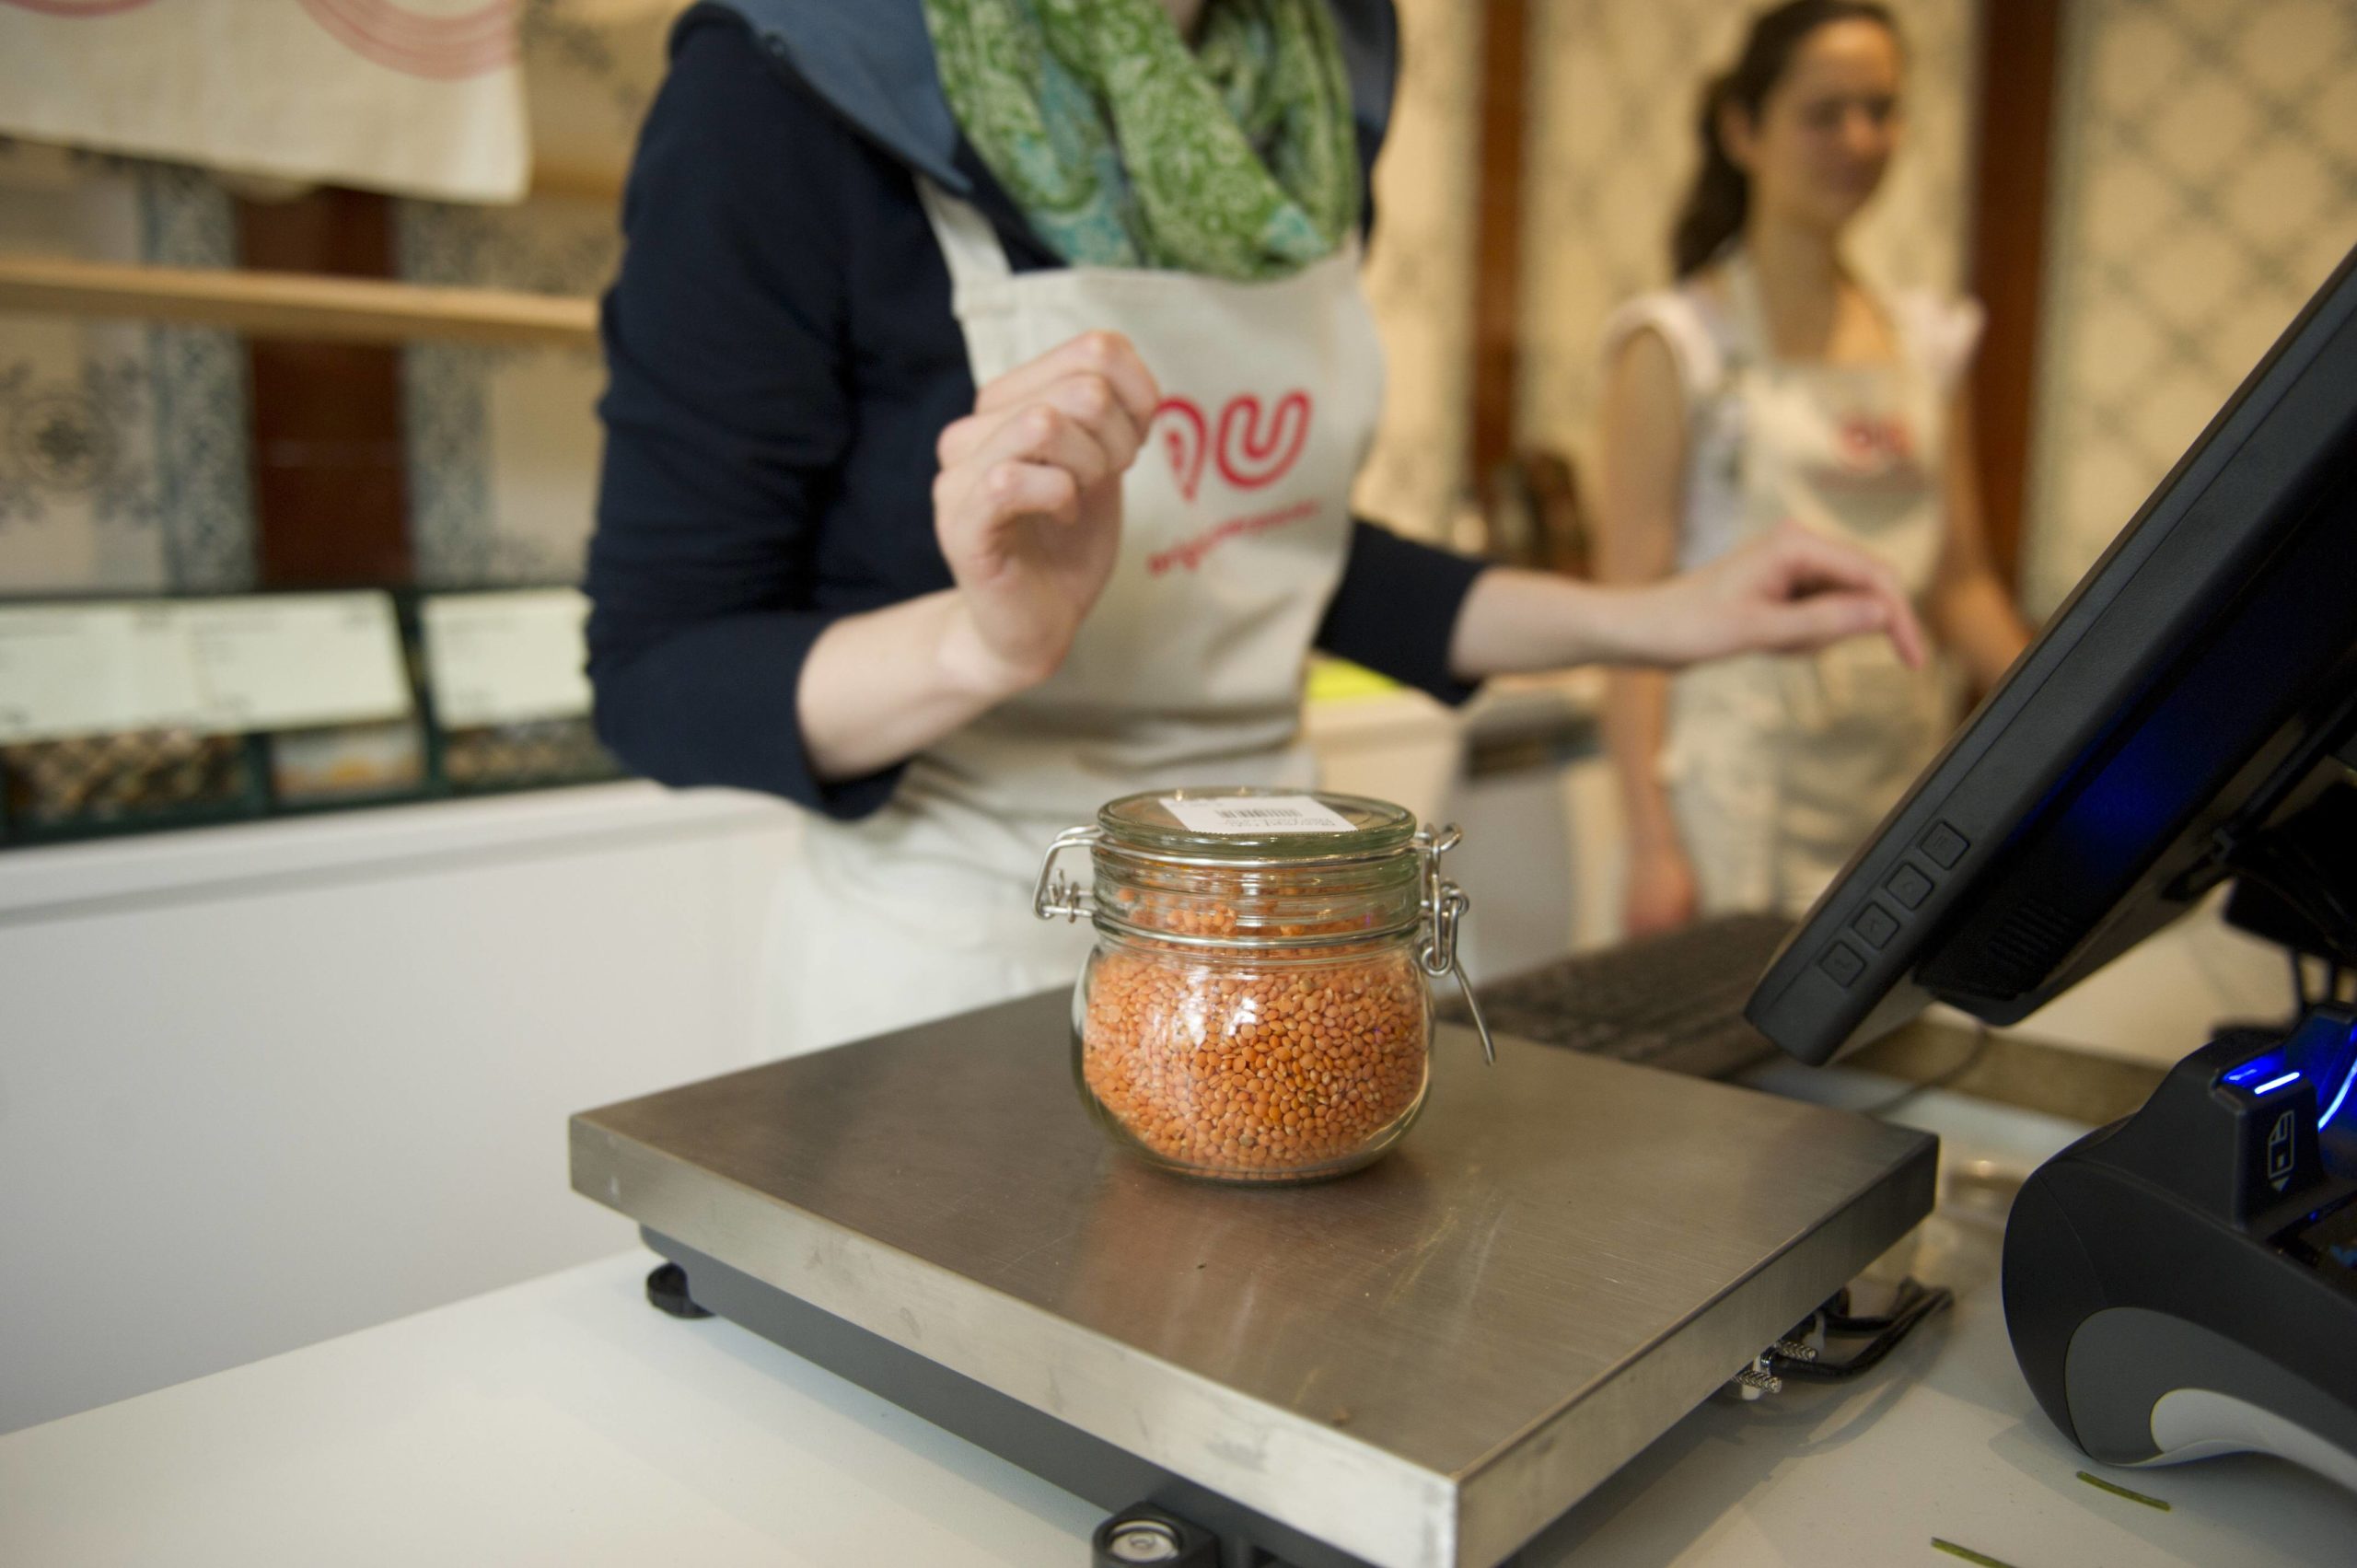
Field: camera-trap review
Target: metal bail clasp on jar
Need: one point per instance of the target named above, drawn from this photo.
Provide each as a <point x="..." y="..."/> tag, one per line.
<point x="1257" y="1005"/>
<point x="1058" y="894"/>
<point x="1444" y="907"/>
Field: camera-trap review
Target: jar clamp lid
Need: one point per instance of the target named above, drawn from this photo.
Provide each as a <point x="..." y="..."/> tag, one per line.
<point x="1357" y="834"/>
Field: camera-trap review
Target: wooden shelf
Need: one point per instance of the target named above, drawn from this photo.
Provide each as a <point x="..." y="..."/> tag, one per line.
<point x="575" y="183"/>
<point x="297" y="305"/>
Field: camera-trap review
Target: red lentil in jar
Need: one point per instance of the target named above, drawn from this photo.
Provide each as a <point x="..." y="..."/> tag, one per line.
<point x="1257" y="1006"/>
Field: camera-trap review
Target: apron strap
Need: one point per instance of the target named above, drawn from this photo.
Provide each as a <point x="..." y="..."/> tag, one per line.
<point x="977" y="261"/>
<point x="1746" y="311"/>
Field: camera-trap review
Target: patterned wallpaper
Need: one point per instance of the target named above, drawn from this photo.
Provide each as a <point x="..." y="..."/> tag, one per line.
<point x="122" y="447"/>
<point x="2208" y="157"/>
<point x="590" y="70"/>
<point x="124" y="450"/>
<point x="1419" y="270"/>
<point x="503" y="442"/>
<point x="2207" y="181"/>
<point x="1612" y="146"/>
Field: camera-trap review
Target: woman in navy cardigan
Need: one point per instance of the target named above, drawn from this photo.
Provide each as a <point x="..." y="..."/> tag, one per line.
<point x="875" y="533"/>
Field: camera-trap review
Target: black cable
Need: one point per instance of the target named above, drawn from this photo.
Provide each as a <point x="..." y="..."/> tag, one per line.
<point x="1836" y="1320"/>
<point x="1901" y="1322"/>
<point x="2335" y="921"/>
<point x="2320" y="877"/>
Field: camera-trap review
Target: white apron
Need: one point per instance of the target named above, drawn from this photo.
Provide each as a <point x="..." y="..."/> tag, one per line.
<point x="1236" y="522"/>
<point x="1778" y="767"/>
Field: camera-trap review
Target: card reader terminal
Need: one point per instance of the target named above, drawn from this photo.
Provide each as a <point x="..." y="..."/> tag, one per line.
<point x="2184" y="1282"/>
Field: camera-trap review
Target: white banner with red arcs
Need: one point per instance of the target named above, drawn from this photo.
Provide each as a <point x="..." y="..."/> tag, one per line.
<point x="420" y="97"/>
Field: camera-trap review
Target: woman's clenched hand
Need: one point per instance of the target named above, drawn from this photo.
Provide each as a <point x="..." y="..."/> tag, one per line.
<point x="1028" y="504"/>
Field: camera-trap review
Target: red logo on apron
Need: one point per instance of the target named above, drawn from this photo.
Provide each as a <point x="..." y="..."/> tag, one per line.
<point x="1185" y="441"/>
<point x="1251" y="457"/>
<point x="1251" y="451"/>
<point x="1871" y="442"/>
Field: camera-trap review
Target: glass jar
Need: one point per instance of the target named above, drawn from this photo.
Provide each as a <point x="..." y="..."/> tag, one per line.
<point x="1257" y="1005"/>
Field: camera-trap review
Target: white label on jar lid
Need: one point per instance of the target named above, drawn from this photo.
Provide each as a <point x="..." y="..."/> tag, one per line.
<point x="1257" y="814"/>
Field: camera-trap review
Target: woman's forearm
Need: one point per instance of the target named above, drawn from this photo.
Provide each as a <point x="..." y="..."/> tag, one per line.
<point x="1514" y="621"/>
<point x="879" y="687"/>
<point x="1636" y="706"/>
<point x="1787" y="590"/>
<point x="1974" y="617"/>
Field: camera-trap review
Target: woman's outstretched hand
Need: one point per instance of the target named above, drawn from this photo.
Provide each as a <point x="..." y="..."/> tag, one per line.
<point x="1788" y="591"/>
<point x="1027" y="506"/>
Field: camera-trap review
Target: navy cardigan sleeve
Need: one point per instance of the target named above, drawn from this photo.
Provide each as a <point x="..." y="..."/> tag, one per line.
<point x="1396" y="610"/>
<point x="780" y="355"/>
<point x="726" y="414"/>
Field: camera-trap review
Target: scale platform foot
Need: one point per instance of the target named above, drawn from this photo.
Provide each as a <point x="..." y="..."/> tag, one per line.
<point x="666" y="1291"/>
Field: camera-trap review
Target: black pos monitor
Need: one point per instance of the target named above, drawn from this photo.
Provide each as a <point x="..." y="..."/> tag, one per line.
<point x="2184" y="1282"/>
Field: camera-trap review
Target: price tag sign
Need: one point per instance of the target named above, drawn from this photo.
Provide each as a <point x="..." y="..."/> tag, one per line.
<point x="210" y="666"/>
<point x="1257" y="814"/>
<point x="506" y="657"/>
<point x="293" y="661"/>
<point x="68" y="670"/>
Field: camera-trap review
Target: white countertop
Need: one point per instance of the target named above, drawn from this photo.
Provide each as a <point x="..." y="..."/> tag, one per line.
<point x="1944" y="1442"/>
<point x="563" y="1422"/>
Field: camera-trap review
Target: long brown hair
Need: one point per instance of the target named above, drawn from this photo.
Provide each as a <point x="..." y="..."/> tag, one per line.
<point x="1721" y="199"/>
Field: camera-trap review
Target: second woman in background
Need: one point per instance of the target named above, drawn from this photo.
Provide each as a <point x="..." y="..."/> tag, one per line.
<point x="1770" y="385"/>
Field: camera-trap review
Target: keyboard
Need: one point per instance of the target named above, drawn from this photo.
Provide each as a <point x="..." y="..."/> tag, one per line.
<point x="1674" y="1001"/>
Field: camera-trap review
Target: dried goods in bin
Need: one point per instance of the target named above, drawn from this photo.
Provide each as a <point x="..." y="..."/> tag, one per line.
<point x="132" y="777"/>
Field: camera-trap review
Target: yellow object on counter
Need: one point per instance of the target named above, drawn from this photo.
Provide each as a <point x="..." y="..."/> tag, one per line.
<point x="1338" y="680"/>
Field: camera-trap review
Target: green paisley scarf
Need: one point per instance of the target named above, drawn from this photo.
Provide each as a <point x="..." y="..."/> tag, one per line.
<point x="1126" y="148"/>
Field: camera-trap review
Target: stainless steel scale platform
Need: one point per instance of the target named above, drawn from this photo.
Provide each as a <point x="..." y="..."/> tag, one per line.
<point x="1416" y="1366"/>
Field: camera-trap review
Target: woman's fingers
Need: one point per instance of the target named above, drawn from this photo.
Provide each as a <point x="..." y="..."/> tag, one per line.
<point x="1090" y="402"/>
<point x="1798" y="625"/>
<point x="1041" y="432"/>
<point x="1834" y="586"/>
<point x="1096" y="404"/>
<point x="1083" y="406"/>
<point x="974" y="526"/>
<point x="1040" y="448"/>
<point x="1792" y="591"/>
<point x="1109" y="356"/>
